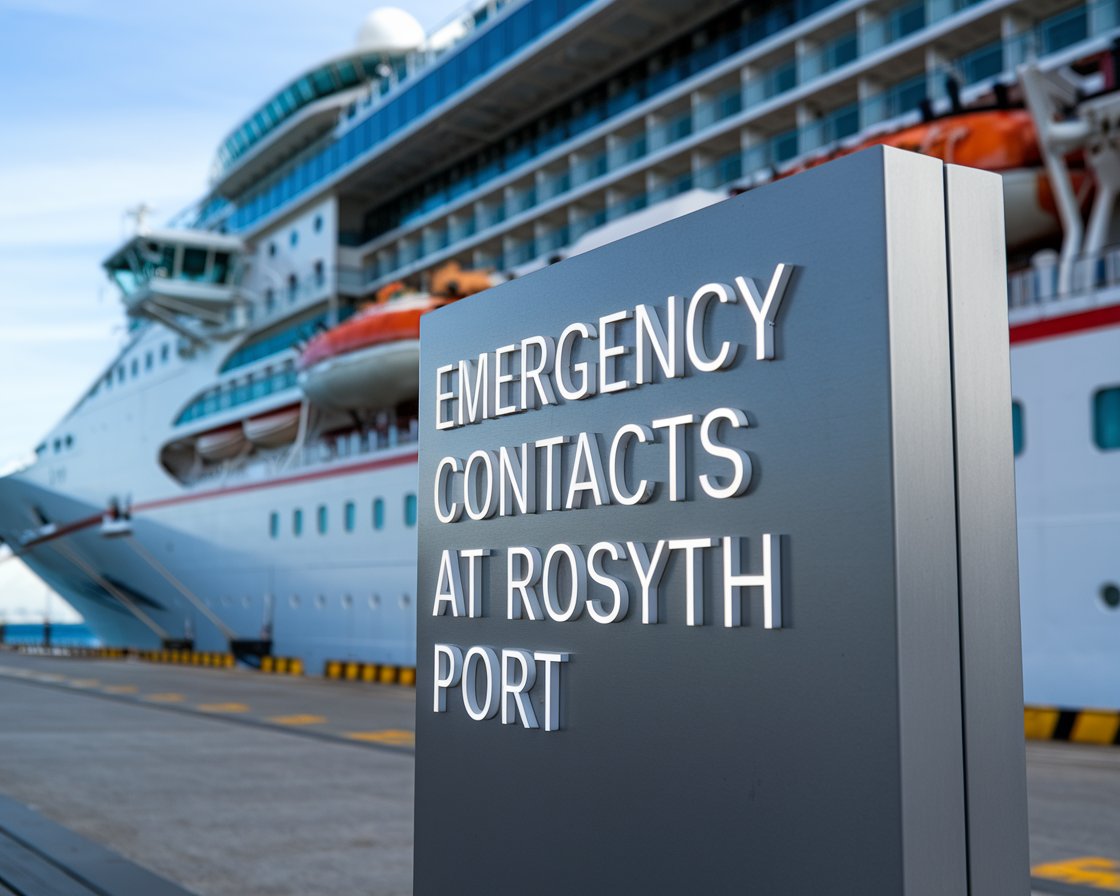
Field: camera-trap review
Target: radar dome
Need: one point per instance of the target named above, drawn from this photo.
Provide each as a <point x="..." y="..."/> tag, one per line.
<point x="391" y="31"/>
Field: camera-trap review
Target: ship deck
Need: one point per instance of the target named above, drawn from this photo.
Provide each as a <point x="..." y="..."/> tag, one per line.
<point x="230" y="781"/>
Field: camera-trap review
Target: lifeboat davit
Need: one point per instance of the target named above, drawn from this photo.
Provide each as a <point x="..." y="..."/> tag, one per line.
<point x="1000" y="140"/>
<point x="372" y="360"/>
<point x="274" y="429"/>
<point x="220" y="444"/>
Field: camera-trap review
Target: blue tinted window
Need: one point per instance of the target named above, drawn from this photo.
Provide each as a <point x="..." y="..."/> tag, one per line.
<point x="410" y="510"/>
<point x="274" y="524"/>
<point x="297" y="522"/>
<point x="1017" y="427"/>
<point x="1106" y="418"/>
<point x="378" y="513"/>
<point x="322" y="519"/>
<point x="348" y="516"/>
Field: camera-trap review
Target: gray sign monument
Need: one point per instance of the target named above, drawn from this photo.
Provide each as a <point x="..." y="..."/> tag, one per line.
<point x="717" y="587"/>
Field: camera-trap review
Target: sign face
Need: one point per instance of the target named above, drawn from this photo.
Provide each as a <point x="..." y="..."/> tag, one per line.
<point x="690" y="607"/>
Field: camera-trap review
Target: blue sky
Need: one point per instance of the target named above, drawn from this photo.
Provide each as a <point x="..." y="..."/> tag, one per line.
<point x="104" y="104"/>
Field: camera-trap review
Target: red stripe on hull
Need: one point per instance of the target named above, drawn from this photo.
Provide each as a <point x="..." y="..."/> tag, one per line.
<point x="366" y="467"/>
<point x="1093" y="319"/>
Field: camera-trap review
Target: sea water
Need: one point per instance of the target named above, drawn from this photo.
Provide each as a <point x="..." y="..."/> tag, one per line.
<point x="71" y="634"/>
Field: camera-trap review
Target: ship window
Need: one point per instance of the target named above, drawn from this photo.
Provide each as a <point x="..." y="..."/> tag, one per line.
<point x="269" y="299"/>
<point x="320" y="601"/>
<point x="320" y="273"/>
<point x="69" y="441"/>
<point x="194" y="264"/>
<point x="1106" y="418"/>
<point x="374" y="601"/>
<point x="135" y="367"/>
<point x="410" y="510"/>
<point x="274" y="524"/>
<point x="293" y="238"/>
<point x="271" y="249"/>
<point x="297" y="522"/>
<point x="321" y="516"/>
<point x="120" y="373"/>
<point x="347" y="601"/>
<point x="318" y="223"/>
<point x="348" y="516"/>
<point x="378" y="513"/>
<point x="293" y="287"/>
<point x="1110" y="595"/>
<point x="57" y="445"/>
<point x="220" y="271"/>
<point x="294" y="601"/>
<point x="164" y="353"/>
<point x="1017" y="427"/>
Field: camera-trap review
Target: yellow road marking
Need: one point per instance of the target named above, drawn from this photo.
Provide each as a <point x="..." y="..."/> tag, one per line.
<point x="164" y="698"/>
<point x="393" y="736"/>
<point x="298" y="720"/>
<point x="84" y="682"/>
<point x="1096" y="871"/>
<point x="223" y="707"/>
<point x="121" y="689"/>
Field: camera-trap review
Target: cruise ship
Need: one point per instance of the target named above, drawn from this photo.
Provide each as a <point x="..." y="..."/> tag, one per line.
<point x="243" y="473"/>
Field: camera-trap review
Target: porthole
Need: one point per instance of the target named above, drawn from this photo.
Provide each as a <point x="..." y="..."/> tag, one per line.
<point x="1106" y="418"/>
<point x="293" y="238"/>
<point x="1017" y="427"/>
<point x="318" y="225"/>
<point x="1110" y="595"/>
<point x="374" y="601"/>
<point x="294" y="601"/>
<point x="406" y="599"/>
<point x="271" y="249"/>
<point x="347" y="602"/>
<point x="320" y="601"/>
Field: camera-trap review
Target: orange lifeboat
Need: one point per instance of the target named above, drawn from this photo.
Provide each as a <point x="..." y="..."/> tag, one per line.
<point x="999" y="140"/>
<point x="372" y="360"/>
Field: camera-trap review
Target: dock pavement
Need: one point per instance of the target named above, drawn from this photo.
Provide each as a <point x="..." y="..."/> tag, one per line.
<point x="226" y="782"/>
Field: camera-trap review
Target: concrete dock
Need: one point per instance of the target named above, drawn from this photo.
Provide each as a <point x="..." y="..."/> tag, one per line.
<point x="233" y="782"/>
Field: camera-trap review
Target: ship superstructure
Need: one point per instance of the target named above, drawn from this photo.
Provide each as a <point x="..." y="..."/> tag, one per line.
<point x="200" y="490"/>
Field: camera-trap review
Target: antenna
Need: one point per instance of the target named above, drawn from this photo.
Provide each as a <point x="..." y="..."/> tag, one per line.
<point x="140" y="215"/>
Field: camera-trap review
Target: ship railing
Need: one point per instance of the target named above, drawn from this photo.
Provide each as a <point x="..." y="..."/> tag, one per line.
<point x="1037" y="285"/>
<point x="325" y="450"/>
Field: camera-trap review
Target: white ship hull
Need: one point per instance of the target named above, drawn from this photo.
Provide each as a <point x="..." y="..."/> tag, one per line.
<point x="547" y="125"/>
<point x="336" y="595"/>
